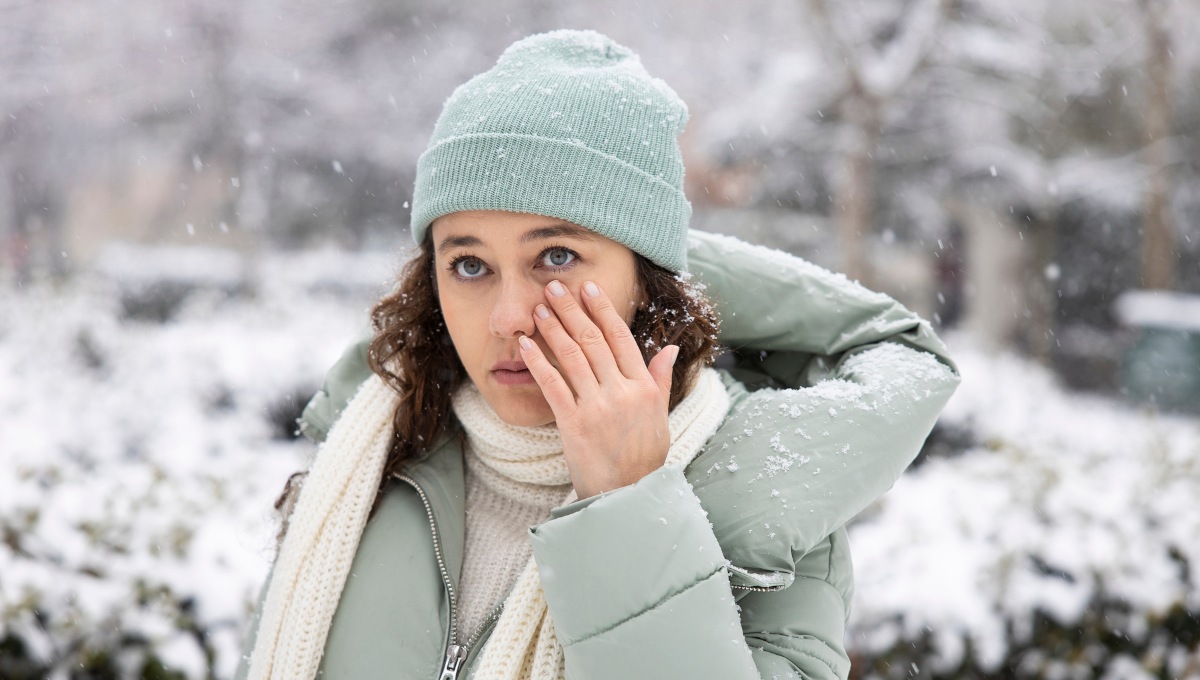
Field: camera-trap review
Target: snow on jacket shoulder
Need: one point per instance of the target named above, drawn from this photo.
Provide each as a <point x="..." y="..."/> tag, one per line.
<point x="738" y="566"/>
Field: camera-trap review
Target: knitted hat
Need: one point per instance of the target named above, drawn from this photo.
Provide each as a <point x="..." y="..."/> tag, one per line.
<point x="567" y="124"/>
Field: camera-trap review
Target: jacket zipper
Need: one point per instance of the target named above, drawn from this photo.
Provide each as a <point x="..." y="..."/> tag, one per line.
<point x="488" y="620"/>
<point x="757" y="589"/>
<point x="456" y="655"/>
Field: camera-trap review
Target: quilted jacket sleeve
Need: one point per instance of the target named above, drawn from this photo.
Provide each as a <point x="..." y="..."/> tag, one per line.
<point x="638" y="588"/>
<point x="849" y="384"/>
<point x="845" y="385"/>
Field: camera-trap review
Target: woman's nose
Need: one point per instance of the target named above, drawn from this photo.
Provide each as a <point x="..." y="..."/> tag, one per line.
<point x="513" y="314"/>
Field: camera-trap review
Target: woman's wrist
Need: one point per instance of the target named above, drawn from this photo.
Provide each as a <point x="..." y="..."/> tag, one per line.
<point x="629" y="471"/>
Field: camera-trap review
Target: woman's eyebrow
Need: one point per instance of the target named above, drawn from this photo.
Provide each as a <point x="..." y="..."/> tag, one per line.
<point x="458" y="242"/>
<point x="557" y="231"/>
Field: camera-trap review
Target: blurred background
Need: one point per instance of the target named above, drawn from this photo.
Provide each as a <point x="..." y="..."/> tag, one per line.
<point x="199" y="200"/>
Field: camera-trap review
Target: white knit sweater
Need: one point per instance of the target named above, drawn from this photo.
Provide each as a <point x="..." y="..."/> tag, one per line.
<point x="496" y="548"/>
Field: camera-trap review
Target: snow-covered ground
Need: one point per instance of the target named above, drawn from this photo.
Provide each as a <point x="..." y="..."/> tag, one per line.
<point x="139" y="460"/>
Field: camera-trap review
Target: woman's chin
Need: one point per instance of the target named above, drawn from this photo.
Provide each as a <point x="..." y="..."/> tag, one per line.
<point x="521" y="404"/>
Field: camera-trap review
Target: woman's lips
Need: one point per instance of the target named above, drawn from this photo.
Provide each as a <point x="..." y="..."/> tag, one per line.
<point x="512" y="373"/>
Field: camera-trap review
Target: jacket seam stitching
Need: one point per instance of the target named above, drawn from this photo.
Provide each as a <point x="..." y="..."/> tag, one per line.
<point x="801" y="652"/>
<point x="829" y="562"/>
<point x="647" y="610"/>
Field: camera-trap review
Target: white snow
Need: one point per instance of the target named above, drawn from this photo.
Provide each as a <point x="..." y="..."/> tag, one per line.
<point x="137" y="469"/>
<point x="137" y="462"/>
<point x="1066" y="495"/>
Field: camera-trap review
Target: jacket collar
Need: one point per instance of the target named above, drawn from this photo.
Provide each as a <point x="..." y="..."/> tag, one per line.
<point x="439" y="475"/>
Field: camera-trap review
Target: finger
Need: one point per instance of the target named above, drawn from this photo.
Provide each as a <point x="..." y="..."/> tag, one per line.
<point x="571" y="359"/>
<point x="554" y="388"/>
<point x="584" y="332"/>
<point x="620" y="339"/>
<point x="662" y="367"/>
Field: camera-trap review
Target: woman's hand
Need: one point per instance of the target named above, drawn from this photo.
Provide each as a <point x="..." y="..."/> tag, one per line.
<point x="614" y="425"/>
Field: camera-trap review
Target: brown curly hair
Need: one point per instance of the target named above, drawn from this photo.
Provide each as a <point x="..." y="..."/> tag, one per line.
<point x="413" y="353"/>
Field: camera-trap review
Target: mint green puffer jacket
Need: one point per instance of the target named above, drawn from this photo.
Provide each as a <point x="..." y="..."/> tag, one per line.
<point x="736" y="567"/>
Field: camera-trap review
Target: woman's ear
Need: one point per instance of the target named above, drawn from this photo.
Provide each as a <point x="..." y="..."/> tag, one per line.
<point x="639" y="296"/>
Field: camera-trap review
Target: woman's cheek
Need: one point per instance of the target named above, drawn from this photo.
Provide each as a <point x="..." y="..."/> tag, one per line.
<point x="467" y="341"/>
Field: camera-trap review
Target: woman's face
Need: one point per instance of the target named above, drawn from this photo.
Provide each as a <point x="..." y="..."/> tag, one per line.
<point x="492" y="270"/>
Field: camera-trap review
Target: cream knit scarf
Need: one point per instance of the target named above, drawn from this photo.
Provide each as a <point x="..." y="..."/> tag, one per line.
<point x="327" y="523"/>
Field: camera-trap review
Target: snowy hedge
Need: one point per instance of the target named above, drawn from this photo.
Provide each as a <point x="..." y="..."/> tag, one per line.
<point x="140" y="452"/>
<point x="139" y="460"/>
<point x="1066" y="544"/>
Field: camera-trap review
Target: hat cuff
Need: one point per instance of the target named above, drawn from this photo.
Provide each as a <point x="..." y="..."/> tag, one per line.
<point x="555" y="178"/>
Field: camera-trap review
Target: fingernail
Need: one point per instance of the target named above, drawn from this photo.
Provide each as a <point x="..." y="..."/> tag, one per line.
<point x="542" y="312"/>
<point x="674" y="355"/>
<point x="525" y="343"/>
<point x="591" y="289"/>
<point x="557" y="289"/>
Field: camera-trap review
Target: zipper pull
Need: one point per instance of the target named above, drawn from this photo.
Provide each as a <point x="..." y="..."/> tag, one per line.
<point x="455" y="656"/>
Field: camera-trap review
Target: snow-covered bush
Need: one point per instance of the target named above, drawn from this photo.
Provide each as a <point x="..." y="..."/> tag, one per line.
<point x="1067" y="544"/>
<point x="139" y="460"/>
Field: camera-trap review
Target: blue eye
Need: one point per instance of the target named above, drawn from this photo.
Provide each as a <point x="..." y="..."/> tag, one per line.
<point x="558" y="257"/>
<point x="470" y="268"/>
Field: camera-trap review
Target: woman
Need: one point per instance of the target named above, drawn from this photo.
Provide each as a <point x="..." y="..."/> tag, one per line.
<point x="531" y="470"/>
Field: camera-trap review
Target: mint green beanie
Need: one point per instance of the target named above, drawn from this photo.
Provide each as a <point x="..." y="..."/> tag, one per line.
<point x="567" y="124"/>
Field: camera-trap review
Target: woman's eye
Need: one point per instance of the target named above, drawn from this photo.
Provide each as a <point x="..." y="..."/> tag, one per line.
<point x="557" y="258"/>
<point x="469" y="268"/>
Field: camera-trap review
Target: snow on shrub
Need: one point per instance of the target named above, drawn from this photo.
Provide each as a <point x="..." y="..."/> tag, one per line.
<point x="138" y="462"/>
<point x="1071" y="503"/>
